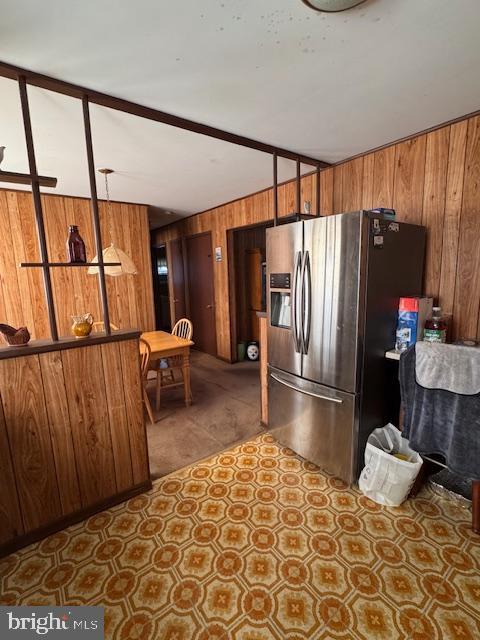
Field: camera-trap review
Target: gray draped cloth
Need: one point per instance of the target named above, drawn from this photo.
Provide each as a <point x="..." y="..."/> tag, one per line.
<point x="440" y="422"/>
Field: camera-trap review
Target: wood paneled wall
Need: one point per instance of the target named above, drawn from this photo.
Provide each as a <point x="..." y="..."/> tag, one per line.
<point x="21" y="290"/>
<point x="72" y="435"/>
<point x="431" y="179"/>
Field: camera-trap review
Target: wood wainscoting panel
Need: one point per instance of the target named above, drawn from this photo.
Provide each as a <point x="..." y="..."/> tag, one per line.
<point x="367" y="184"/>
<point x="130" y="372"/>
<point x="60" y="430"/>
<point x="409" y="180"/>
<point x="453" y="210"/>
<point x="11" y="524"/>
<point x="352" y="185"/>
<point x="85" y="388"/>
<point x="112" y="368"/>
<point x="326" y="192"/>
<point x="383" y="175"/>
<point x="30" y="442"/>
<point x="436" y="164"/>
<point x="467" y="294"/>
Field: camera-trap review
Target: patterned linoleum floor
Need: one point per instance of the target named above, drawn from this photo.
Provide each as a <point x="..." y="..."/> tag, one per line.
<point x="256" y="544"/>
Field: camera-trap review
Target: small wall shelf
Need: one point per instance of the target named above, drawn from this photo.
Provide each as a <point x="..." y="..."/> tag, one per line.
<point x="68" y="264"/>
<point x="26" y="178"/>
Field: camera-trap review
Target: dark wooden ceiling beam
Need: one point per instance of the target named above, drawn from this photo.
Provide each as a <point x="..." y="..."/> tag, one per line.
<point x="105" y="100"/>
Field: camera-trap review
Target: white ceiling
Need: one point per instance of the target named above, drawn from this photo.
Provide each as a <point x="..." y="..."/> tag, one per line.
<point x="325" y="85"/>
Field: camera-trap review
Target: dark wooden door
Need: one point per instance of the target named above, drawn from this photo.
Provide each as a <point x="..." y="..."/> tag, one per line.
<point x="177" y="281"/>
<point x="201" y="292"/>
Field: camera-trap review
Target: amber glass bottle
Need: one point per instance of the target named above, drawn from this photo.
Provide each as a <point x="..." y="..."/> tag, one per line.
<point x="75" y="246"/>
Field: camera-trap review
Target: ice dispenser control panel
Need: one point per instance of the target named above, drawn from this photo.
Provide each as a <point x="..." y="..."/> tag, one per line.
<point x="279" y="281"/>
<point x="280" y="307"/>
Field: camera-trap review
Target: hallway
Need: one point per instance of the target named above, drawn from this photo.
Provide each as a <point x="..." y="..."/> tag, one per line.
<point x="225" y="411"/>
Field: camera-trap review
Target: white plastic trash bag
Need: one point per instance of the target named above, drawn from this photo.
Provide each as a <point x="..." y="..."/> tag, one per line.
<point x="387" y="479"/>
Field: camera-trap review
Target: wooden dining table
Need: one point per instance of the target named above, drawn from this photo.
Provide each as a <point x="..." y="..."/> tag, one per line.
<point x="165" y="345"/>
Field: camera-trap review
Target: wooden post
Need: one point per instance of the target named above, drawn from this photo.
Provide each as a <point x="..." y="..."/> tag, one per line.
<point x="317" y="184"/>
<point x="95" y="216"/>
<point x="299" y="188"/>
<point x="37" y="202"/>
<point x="476" y="506"/>
<point x="275" y="189"/>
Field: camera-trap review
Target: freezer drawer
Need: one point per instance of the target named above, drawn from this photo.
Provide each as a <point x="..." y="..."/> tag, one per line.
<point x="316" y="422"/>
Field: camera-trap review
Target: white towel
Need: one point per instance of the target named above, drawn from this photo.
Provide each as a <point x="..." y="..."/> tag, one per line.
<point x="450" y="367"/>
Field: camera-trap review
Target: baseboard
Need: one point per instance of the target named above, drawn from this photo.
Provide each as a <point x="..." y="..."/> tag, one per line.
<point x="64" y="522"/>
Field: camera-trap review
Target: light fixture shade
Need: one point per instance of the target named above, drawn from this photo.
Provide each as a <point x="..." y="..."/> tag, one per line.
<point x="332" y="6"/>
<point x="114" y="254"/>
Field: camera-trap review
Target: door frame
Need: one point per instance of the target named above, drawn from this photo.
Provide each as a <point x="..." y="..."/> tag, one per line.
<point x="232" y="297"/>
<point x="187" y="282"/>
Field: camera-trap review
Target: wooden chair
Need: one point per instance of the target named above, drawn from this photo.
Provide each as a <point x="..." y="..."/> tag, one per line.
<point x="183" y="329"/>
<point x="166" y="375"/>
<point x="145" y="353"/>
<point x="98" y="327"/>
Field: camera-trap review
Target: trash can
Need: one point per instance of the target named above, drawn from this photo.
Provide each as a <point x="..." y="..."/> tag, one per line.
<point x="391" y="467"/>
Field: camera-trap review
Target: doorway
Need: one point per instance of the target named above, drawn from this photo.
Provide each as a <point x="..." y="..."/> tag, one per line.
<point x="160" y="288"/>
<point x="201" y="292"/>
<point x="247" y="248"/>
<point x="177" y="280"/>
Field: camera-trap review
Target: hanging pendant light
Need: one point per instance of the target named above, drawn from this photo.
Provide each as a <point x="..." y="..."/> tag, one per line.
<point x="112" y="253"/>
<point x="332" y="6"/>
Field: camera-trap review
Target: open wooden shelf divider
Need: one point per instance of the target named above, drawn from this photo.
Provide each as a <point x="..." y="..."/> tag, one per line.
<point x="26" y="178"/>
<point x="68" y="264"/>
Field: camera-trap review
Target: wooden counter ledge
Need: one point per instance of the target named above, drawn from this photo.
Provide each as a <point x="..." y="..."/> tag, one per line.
<point x="67" y="342"/>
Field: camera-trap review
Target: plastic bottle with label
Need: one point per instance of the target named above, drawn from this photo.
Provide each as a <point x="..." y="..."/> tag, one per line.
<point x="435" y="327"/>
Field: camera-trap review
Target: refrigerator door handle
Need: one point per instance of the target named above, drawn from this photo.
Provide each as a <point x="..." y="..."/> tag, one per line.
<point x="302" y="302"/>
<point x="307" y="304"/>
<point x="307" y="393"/>
<point x="295" y="306"/>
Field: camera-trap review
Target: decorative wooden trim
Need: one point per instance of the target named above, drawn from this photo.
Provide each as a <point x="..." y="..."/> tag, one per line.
<point x="25" y="178"/>
<point x="105" y="100"/>
<point x="31" y="265"/>
<point x="67" y="521"/>
<point x="45" y="346"/>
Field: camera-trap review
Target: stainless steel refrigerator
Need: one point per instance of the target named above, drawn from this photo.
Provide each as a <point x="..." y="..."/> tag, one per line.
<point x="333" y="289"/>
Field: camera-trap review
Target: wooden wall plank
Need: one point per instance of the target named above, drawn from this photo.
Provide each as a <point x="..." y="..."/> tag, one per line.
<point x="129" y="356"/>
<point x="409" y="180"/>
<point x="11" y="524"/>
<point x="383" y="175"/>
<point x="60" y="430"/>
<point x="367" y="183"/>
<point x="453" y="209"/>
<point x="30" y="443"/>
<point x="8" y="270"/>
<point x="32" y="253"/>
<point x="467" y="294"/>
<point x="436" y="163"/>
<point x="20" y="255"/>
<point x="85" y="387"/>
<point x="112" y="367"/>
<point x="338" y="189"/>
<point x="326" y="192"/>
<point x="352" y="185"/>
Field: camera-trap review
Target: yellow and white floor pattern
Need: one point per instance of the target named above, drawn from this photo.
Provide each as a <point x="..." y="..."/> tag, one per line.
<point x="257" y="544"/>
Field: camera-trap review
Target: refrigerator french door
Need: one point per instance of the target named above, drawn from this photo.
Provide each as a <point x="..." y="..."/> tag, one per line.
<point x="333" y="290"/>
